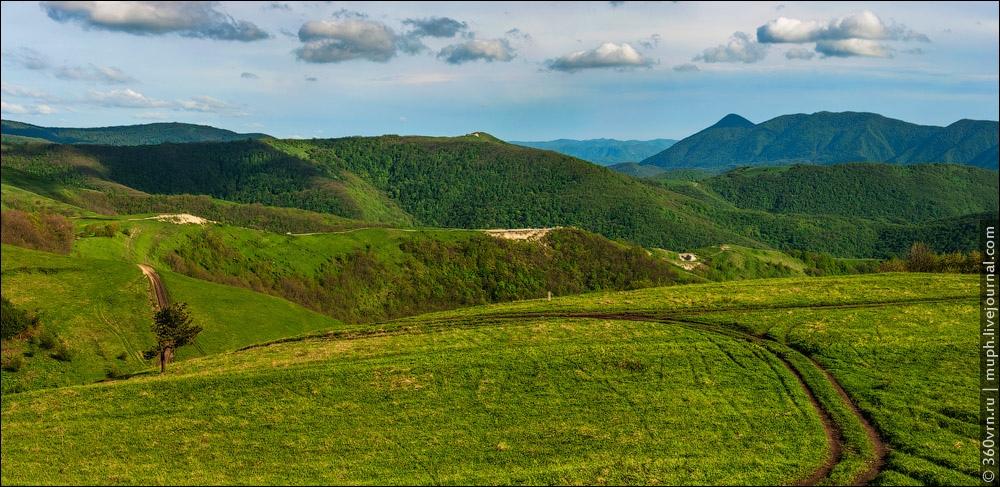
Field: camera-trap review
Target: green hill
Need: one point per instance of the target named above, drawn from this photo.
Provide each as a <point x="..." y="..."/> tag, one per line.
<point x="152" y="133"/>
<point x="875" y="191"/>
<point x="831" y="138"/>
<point x="100" y="310"/>
<point x="473" y="181"/>
<point x="605" y="152"/>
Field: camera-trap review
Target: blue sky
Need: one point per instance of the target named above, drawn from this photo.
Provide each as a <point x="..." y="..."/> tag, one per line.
<point x="521" y="71"/>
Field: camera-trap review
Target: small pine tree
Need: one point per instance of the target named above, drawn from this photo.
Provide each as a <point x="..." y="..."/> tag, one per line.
<point x="173" y="328"/>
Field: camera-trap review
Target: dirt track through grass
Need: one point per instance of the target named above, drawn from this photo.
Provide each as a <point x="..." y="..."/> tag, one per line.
<point x="834" y="430"/>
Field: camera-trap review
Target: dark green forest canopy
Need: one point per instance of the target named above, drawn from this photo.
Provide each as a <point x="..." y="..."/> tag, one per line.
<point x="481" y="182"/>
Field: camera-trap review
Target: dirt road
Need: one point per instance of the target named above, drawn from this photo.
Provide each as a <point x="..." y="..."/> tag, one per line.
<point x="158" y="289"/>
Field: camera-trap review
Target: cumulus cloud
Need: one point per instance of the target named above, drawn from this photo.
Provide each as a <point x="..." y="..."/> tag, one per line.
<point x="739" y="49"/>
<point x="861" y="25"/>
<point x="188" y="19"/>
<point x="435" y="27"/>
<point x="488" y="50"/>
<point x="100" y="74"/>
<point x="607" y="55"/>
<point x="248" y="75"/>
<point x="207" y="104"/>
<point x="334" y="41"/>
<point x="799" y="53"/>
<point x="686" y="68"/>
<point x="124" y="98"/>
<point x="853" y="47"/>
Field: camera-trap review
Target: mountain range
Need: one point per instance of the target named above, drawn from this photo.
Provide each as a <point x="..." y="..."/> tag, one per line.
<point x="831" y="138"/>
<point x="603" y="151"/>
<point x="152" y="133"/>
<point x="478" y="181"/>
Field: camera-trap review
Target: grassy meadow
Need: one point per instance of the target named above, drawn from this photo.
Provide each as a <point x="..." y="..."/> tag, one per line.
<point x="527" y="392"/>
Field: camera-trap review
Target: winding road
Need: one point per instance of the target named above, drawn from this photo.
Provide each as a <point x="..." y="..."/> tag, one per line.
<point x="157" y="285"/>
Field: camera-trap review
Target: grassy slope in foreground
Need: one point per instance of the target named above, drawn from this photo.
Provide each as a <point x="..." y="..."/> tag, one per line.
<point x="882" y="356"/>
<point x="465" y="397"/>
<point x="908" y="367"/>
<point x="103" y="308"/>
<point x="539" y="402"/>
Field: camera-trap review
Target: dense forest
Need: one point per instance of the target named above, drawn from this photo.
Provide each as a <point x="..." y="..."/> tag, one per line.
<point x="902" y="194"/>
<point x="152" y="133"/>
<point x="426" y="274"/>
<point x="832" y="138"/>
<point x="476" y="181"/>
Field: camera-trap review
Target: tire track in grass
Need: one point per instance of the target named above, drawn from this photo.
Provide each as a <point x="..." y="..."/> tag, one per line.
<point x="837" y="417"/>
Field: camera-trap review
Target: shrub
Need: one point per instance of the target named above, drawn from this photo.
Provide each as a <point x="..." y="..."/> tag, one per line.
<point x="14" y="321"/>
<point x="113" y="372"/>
<point x="61" y="351"/>
<point x="40" y="231"/>
<point x="46" y="339"/>
<point x="12" y="362"/>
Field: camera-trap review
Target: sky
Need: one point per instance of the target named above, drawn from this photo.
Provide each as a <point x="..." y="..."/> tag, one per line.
<point x="520" y="71"/>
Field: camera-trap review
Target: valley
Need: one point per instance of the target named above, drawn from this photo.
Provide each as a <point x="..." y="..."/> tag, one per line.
<point x="462" y="310"/>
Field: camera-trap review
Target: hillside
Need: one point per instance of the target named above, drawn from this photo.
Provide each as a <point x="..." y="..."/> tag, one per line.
<point x="605" y="152"/>
<point x="152" y="133"/>
<point x="99" y="309"/>
<point x="584" y="389"/>
<point x="467" y="182"/>
<point x="831" y="138"/>
<point x="875" y="191"/>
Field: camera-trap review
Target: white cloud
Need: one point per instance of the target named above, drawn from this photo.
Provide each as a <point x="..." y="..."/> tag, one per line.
<point x="800" y="53"/>
<point x="862" y="25"/>
<point x="24" y="92"/>
<point x="739" y="49"/>
<point x="18" y="109"/>
<point x="12" y="108"/>
<point x="124" y="98"/>
<point x="435" y="27"/>
<point x="90" y="72"/>
<point x="188" y="19"/>
<point x="853" y="47"/>
<point x="607" y="55"/>
<point x="207" y="104"/>
<point x="334" y="41"/>
<point x="488" y="50"/>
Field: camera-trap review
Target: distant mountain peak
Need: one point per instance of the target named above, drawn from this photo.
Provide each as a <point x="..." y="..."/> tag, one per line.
<point x="732" y="121"/>
<point x="831" y="138"/>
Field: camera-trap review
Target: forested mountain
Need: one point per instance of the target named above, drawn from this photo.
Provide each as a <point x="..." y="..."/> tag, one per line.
<point x="477" y="181"/>
<point x="603" y="151"/>
<point x="879" y="191"/>
<point x="152" y="133"/>
<point x="831" y="138"/>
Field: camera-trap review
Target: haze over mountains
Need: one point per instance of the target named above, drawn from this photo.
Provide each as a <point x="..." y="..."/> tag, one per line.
<point x="603" y="151"/>
<point x="151" y="133"/>
<point x="831" y="138"/>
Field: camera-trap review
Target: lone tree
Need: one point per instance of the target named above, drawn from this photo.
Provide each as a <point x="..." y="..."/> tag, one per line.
<point x="173" y="328"/>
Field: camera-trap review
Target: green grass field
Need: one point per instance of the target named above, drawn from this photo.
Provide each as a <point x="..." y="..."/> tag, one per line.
<point x="665" y="385"/>
<point x="103" y="310"/>
<point x="538" y="401"/>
